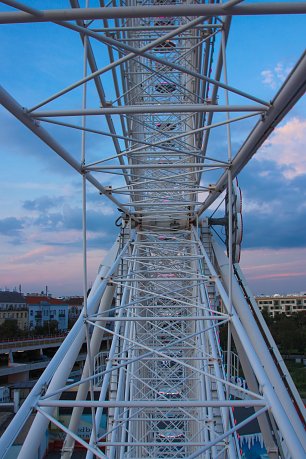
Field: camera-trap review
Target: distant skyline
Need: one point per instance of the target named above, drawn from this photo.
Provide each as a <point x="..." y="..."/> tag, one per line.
<point x="40" y="212"/>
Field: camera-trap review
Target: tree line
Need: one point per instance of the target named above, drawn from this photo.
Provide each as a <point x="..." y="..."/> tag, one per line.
<point x="289" y="332"/>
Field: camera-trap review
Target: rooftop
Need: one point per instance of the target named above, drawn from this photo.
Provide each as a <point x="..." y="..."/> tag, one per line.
<point x="287" y="295"/>
<point x="38" y="299"/>
<point x="11" y="297"/>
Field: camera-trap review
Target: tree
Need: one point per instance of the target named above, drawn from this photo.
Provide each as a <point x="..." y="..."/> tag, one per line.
<point x="289" y="332"/>
<point x="9" y="329"/>
<point x="49" y="328"/>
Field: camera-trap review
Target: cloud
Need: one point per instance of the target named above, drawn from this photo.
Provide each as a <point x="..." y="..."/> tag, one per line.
<point x="274" y="209"/>
<point x="273" y="77"/>
<point x="282" y="71"/>
<point x="16" y="139"/>
<point x="42" y="203"/>
<point x="11" y="226"/>
<point x="273" y="205"/>
<point x="279" y="275"/>
<point x="31" y="256"/>
<point x="286" y="147"/>
<point x="69" y="218"/>
<point x="275" y="270"/>
<point x="59" y="268"/>
<point x="50" y="220"/>
<point x="97" y="220"/>
<point x="277" y="230"/>
<point x="268" y="78"/>
<point x="251" y="206"/>
<point x="65" y="238"/>
<point x="103" y="240"/>
<point x="282" y="227"/>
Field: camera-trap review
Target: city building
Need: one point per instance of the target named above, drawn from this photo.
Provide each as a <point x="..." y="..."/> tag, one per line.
<point x="13" y="307"/>
<point x="75" y="306"/>
<point x="44" y="309"/>
<point x="11" y="300"/>
<point x="21" y="317"/>
<point x="282" y="304"/>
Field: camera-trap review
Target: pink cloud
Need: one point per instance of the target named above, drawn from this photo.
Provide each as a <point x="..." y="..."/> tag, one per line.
<point x="57" y="267"/>
<point x="286" y="147"/>
<point x="33" y="255"/>
<point x="275" y="270"/>
<point x="63" y="237"/>
<point x="278" y="275"/>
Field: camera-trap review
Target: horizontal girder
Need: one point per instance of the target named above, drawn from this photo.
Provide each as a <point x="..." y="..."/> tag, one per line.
<point x="208" y="10"/>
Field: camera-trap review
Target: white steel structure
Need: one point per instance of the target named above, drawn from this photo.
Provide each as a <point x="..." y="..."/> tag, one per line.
<point x="167" y="387"/>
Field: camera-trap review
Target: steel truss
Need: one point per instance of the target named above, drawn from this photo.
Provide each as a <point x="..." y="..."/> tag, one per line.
<point x="166" y="292"/>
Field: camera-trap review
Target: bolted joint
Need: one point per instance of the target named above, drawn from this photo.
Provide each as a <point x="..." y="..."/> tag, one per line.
<point x="211" y="187"/>
<point x="214" y="278"/>
<point x="106" y="104"/>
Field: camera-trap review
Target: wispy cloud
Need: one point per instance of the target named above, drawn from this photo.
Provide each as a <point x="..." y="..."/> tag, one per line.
<point x="258" y="206"/>
<point x="37" y="254"/>
<point x="275" y="76"/>
<point x="42" y="203"/>
<point x="268" y="78"/>
<point x="275" y="270"/>
<point x="60" y="269"/>
<point x="279" y="275"/>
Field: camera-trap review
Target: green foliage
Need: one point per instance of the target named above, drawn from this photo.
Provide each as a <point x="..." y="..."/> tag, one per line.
<point x="48" y="328"/>
<point x="298" y="374"/>
<point x="9" y="329"/>
<point x="289" y="333"/>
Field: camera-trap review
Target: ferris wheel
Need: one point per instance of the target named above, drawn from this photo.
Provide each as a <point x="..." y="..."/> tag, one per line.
<point x="155" y="89"/>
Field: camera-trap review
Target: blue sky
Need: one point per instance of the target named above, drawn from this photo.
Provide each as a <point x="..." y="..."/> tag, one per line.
<point x="40" y="212"/>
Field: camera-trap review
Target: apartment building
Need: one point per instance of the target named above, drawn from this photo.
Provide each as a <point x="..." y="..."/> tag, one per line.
<point x="44" y="309"/>
<point x="32" y="310"/>
<point x="75" y="306"/>
<point x="282" y="304"/>
<point x="13" y="307"/>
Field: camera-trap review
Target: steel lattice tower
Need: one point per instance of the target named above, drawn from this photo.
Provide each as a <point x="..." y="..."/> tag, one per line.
<point x="166" y="288"/>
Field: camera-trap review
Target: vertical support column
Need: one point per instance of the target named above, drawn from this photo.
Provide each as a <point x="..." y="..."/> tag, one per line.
<point x="84" y="224"/>
<point x="229" y="222"/>
<point x="16" y="400"/>
<point x="10" y="357"/>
